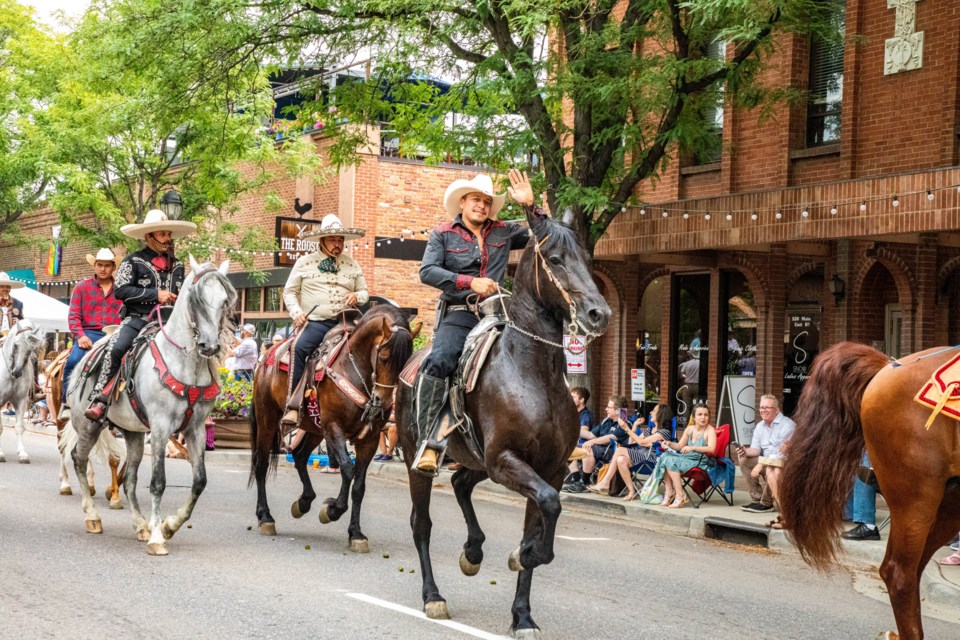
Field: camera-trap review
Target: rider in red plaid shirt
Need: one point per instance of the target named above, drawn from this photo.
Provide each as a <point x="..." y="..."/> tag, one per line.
<point x="92" y="307"/>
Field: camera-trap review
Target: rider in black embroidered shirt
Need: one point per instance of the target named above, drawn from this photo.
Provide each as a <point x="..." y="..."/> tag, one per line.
<point x="467" y="256"/>
<point x="145" y="278"/>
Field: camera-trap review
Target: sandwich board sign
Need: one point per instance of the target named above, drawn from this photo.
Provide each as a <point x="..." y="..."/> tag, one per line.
<point x="738" y="407"/>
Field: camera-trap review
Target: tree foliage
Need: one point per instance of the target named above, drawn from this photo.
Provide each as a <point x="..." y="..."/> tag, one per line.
<point x="596" y="94"/>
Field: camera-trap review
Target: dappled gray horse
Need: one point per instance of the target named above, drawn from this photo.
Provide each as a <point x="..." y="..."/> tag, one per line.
<point x="175" y="382"/>
<point x="18" y="376"/>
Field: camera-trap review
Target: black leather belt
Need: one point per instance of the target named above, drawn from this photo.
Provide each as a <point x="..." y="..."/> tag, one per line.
<point x="459" y="307"/>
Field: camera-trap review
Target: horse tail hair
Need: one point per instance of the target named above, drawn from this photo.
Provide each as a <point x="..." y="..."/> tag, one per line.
<point x="825" y="450"/>
<point x="256" y="455"/>
<point x="68" y="439"/>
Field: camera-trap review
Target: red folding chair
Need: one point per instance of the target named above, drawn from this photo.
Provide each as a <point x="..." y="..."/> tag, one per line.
<point x="698" y="480"/>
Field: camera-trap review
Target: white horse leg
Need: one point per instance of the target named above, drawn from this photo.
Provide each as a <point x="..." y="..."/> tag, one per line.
<point x="93" y="489"/>
<point x="21" y="412"/>
<point x="134" y="442"/>
<point x="87" y="434"/>
<point x="66" y="441"/>
<point x="195" y="446"/>
<point x="3" y="458"/>
<point x="156" y="546"/>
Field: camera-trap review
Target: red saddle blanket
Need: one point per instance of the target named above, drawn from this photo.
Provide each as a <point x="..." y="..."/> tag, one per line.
<point x="942" y="391"/>
<point x="281" y="354"/>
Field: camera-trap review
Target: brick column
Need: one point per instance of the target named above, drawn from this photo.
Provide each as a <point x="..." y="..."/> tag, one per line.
<point x="714" y="374"/>
<point x="925" y="309"/>
<point x="770" y="373"/>
<point x="840" y="315"/>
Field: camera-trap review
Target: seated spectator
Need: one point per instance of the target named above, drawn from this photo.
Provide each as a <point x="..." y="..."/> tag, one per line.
<point x="953" y="559"/>
<point x="600" y="445"/>
<point x="695" y="449"/>
<point x="764" y="457"/>
<point x="580" y="397"/>
<point x="862" y="510"/>
<point x="639" y="450"/>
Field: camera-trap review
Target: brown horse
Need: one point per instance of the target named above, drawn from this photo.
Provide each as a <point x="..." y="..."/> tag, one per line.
<point x="54" y="373"/>
<point x="371" y="361"/>
<point x="856" y="396"/>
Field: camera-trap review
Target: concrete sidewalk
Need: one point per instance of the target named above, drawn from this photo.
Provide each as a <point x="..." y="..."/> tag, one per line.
<point x="714" y="519"/>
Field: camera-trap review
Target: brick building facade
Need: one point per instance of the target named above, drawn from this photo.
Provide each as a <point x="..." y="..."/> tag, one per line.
<point x="739" y="270"/>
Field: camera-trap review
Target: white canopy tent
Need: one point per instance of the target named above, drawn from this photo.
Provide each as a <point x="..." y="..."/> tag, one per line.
<point x="48" y="313"/>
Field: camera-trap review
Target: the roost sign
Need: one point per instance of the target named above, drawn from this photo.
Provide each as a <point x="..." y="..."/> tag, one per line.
<point x="290" y="245"/>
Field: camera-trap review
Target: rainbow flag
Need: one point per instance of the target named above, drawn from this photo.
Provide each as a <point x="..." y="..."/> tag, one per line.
<point x="53" y="259"/>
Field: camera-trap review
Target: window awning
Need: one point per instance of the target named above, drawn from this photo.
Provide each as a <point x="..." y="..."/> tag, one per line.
<point x="26" y="276"/>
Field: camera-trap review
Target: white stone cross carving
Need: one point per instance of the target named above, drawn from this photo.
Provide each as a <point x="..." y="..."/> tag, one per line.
<point x="904" y="51"/>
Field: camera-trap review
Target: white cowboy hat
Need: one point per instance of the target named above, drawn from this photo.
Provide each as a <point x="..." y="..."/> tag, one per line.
<point x="156" y="220"/>
<point x="481" y="183"/>
<point x="331" y="226"/>
<point x="5" y="281"/>
<point x="104" y="255"/>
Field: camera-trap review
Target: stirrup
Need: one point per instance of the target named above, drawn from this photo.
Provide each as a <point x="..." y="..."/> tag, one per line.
<point x="291" y="418"/>
<point x="427" y="460"/>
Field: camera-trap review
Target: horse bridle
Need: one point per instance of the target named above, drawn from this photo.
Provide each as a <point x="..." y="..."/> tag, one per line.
<point x="193" y="325"/>
<point x="574" y="324"/>
<point x="374" y="408"/>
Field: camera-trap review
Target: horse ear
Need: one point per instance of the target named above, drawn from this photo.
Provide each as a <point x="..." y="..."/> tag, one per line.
<point x="224" y="267"/>
<point x="567" y="218"/>
<point x="537" y="223"/>
<point x="415" y="328"/>
<point x="193" y="264"/>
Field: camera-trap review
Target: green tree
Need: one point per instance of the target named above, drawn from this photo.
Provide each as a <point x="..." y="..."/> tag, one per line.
<point x="602" y="92"/>
<point x="28" y="68"/>
<point x="129" y="132"/>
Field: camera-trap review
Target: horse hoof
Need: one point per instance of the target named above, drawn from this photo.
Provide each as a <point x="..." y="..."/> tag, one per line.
<point x="527" y="634"/>
<point x="3" y="458"/>
<point x="94" y="526"/>
<point x="24" y="459"/>
<point x="66" y="491"/>
<point x="93" y="491"/>
<point x="143" y="535"/>
<point x="436" y="610"/>
<point x="166" y="531"/>
<point x="157" y="549"/>
<point x="268" y="528"/>
<point x="513" y="562"/>
<point x="295" y="509"/>
<point x="116" y="504"/>
<point x="467" y="567"/>
<point x="324" y="516"/>
<point x="888" y="635"/>
<point x="359" y="546"/>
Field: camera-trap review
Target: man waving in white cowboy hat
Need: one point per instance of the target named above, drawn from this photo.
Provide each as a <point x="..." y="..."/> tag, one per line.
<point x="464" y="257"/>
<point x="93" y="306"/>
<point x="144" y="279"/>
<point x="11" y="310"/>
<point x="320" y="286"/>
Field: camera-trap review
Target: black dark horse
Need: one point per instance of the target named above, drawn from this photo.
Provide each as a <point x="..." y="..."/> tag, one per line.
<point x="522" y="411"/>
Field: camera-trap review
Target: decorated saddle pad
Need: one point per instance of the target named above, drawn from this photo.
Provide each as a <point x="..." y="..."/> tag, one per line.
<point x="942" y="391"/>
<point x="328" y="351"/>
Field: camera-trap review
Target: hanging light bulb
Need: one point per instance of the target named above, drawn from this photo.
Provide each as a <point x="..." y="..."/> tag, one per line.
<point x="686" y="216"/>
<point x="753" y="216"/>
<point x="778" y="215"/>
<point x="665" y="214"/>
<point x="863" y="206"/>
<point x="706" y="217"/>
<point x="643" y="211"/>
<point x="833" y="210"/>
<point x="929" y="195"/>
<point x="805" y="213"/>
<point x="623" y="209"/>
<point x="729" y="216"/>
<point x="896" y="201"/>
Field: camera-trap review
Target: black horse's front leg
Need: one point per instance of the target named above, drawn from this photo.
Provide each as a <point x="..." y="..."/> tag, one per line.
<point x="464" y="481"/>
<point x="365" y="451"/>
<point x="301" y="455"/>
<point x="420" y="489"/>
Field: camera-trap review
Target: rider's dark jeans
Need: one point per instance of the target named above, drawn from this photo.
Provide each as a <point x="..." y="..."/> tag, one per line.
<point x="76" y="355"/>
<point x="448" y="344"/>
<point x="307" y="342"/>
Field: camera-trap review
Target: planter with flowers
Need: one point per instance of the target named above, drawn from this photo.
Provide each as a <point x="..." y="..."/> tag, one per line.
<point x="231" y="412"/>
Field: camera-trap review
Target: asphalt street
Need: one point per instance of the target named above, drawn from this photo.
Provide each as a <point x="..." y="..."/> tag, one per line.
<point x="223" y="579"/>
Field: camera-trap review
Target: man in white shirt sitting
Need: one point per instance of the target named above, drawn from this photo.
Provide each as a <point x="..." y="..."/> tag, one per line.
<point x="764" y="457"/>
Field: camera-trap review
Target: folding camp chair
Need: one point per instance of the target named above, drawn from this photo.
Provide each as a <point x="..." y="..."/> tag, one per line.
<point x="698" y="479"/>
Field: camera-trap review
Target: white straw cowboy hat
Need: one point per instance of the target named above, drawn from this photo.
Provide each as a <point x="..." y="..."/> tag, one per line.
<point x="481" y="183"/>
<point x="331" y="226"/>
<point x="156" y="220"/>
<point x="5" y="281"/>
<point x="104" y="255"/>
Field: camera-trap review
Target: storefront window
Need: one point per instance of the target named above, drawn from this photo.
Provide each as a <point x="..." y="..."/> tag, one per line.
<point x="691" y="301"/>
<point x="252" y="299"/>
<point x="648" y="342"/>
<point x="740" y="355"/>
<point x="801" y="337"/>
<point x="273" y="298"/>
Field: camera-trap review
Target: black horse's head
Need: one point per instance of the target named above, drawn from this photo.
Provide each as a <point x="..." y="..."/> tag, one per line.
<point x="393" y="338"/>
<point x="557" y="270"/>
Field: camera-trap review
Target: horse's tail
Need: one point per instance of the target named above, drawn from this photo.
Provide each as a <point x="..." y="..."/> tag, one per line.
<point x="68" y="439"/>
<point x="106" y="445"/>
<point x="823" y="454"/>
<point x="256" y="453"/>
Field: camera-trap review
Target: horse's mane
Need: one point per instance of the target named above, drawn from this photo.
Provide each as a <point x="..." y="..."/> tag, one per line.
<point x="561" y="236"/>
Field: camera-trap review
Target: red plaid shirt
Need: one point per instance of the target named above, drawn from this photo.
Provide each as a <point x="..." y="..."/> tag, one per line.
<point x="90" y="309"/>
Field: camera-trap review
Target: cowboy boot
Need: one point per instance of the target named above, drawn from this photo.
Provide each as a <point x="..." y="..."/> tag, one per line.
<point x="431" y="397"/>
<point x="292" y="417"/>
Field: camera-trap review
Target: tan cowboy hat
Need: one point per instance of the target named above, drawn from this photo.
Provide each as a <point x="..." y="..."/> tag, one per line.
<point x="481" y="183"/>
<point x="331" y="226"/>
<point x="110" y="329"/>
<point x="156" y="220"/>
<point x="104" y="255"/>
<point x="5" y="281"/>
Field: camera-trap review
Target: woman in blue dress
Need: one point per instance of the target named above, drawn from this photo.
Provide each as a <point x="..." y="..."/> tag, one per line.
<point x="695" y="449"/>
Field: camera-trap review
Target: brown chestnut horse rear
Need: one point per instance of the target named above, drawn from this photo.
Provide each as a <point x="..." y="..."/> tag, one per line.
<point x="372" y="358"/>
<point x="855" y="397"/>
